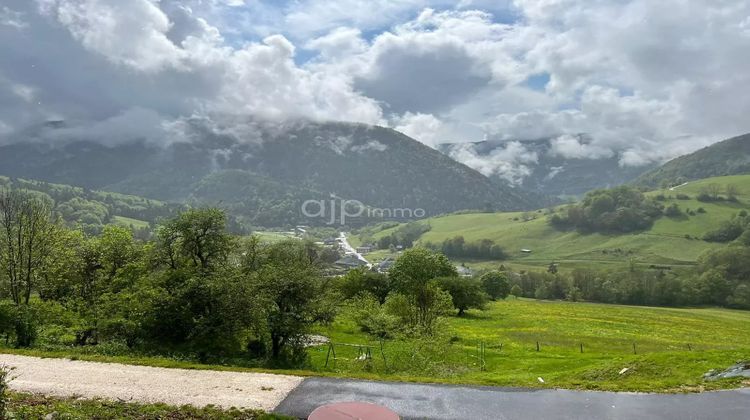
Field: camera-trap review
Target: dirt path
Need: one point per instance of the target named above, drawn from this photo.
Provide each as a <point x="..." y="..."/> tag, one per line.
<point x="68" y="378"/>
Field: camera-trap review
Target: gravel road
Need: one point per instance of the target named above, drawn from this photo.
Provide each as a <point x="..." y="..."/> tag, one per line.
<point x="68" y="378"/>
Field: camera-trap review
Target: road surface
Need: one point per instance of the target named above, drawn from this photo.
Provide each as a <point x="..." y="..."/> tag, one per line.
<point x="348" y="249"/>
<point x="421" y="401"/>
<point x="294" y="396"/>
<point x="68" y="378"/>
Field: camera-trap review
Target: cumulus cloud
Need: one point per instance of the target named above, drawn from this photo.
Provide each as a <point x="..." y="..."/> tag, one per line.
<point x="423" y="127"/>
<point x="643" y="80"/>
<point x="132" y="33"/>
<point x="569" y="146"/>
<point x="512" y="161"/>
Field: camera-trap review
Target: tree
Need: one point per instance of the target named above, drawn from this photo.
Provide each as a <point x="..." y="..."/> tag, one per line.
<point x="710" y="192"/>
<point x="26" y="238"/>
<point x="732" y="192"/>
<point x="496" y="284"/>
<point x="516" y="291"/>
<point x="412" y="275"/>
<point x="293" y="295"/>
<point x="416" y="267"/>
<point x="197" y="237"/>
<point x="362" y="281"/>
<point x="466" y="293"/>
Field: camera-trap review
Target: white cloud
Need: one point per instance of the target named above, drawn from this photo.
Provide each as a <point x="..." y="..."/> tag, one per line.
<point x="645" y="80"/>
<point x="12" y="18"/>
<point x="511" y="162"/>
<point x="572" y="147"/>
<point x="423" y="127"/>
<point x="132" y="33"/>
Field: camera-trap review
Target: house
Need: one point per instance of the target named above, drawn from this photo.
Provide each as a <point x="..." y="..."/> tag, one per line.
<point x="364" y="249"/>
<point x="385" y="265"/>
<point x="464" y="271"/>
<point x="350" y="261"/>
<point x="330" y="241"/>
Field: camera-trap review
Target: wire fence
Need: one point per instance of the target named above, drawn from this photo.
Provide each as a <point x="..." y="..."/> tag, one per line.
<point x="430" y="357"/>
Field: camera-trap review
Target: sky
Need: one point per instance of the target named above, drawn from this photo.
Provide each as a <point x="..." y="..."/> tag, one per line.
<point x="645" y="80"/>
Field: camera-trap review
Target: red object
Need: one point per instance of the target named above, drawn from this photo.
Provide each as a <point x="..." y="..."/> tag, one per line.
<point x="353" y="410"/>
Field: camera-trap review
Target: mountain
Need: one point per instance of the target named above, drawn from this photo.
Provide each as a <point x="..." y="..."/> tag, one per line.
<point x="728" y="157"/>
<point x="535" y="166"/>
<point x="263" y="172"/>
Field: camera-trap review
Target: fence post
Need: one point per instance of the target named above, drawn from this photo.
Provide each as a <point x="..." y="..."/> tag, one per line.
<point x="581" y="347"/>
<point x="537" y="346"/>
<point x="385" y="362"/>
<point x="634" y="351"/>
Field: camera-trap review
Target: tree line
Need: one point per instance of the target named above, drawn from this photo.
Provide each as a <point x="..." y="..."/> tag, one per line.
<point x="721" y="278"/>
<point x="193" y="287"/>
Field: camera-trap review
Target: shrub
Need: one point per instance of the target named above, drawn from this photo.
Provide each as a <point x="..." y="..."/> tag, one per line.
<point x="373" y="318"/>
<point x="683" y="197"/>
<point x="26" y="327"/>
<point x="673" y="211"/>
<point x="728" y="231"/>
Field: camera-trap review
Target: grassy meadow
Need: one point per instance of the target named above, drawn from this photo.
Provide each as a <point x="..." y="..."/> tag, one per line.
<point x="673" y="347"/>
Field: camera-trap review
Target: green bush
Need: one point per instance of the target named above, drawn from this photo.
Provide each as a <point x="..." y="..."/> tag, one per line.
<point x="26" y="326"/>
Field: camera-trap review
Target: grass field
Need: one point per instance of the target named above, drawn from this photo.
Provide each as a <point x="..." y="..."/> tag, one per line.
<point x="666" y="243"/>
<point x="674" y="347"/>
<point x="272" y="237"/>
<point x="127" y="222"/>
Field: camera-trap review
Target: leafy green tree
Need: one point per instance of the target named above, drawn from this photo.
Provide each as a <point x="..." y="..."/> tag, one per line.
<point x="516" y="291"/>
<point x="412" y="272"/>
<point x="413" y="275"/>
<point x="293" y="295"/>
<point x="363" y="281"/>
<point x="26" y="239"/>
<point x="496" y="284"/>
<point x="466" y="293"/>
<point x="197" y="238"/>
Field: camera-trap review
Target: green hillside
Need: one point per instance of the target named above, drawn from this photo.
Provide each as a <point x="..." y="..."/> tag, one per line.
<point x="671" y="241"/>
<point x="91" y="210"/>
<point x="728" y="157"/>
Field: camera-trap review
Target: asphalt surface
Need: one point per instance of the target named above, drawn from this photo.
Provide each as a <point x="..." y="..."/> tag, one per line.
<point x="422" y="401"/>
